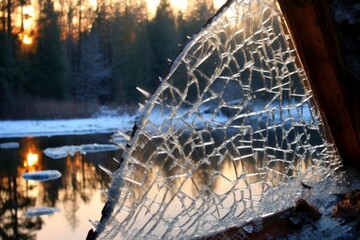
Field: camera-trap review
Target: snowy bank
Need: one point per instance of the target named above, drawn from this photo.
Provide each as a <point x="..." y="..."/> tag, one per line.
<point x="104" y="124"/>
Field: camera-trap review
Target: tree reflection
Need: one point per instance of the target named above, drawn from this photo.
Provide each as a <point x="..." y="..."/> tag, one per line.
<point x="14" y="201"/>
<point x="81" y="180"/>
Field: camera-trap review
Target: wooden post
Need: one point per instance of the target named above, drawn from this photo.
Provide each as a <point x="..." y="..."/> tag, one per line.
<point x="314" y="34"/>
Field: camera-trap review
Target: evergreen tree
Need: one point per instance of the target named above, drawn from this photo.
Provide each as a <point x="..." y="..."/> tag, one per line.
<point x="130" y="54"/>
<point x="199" y="12"/>
<point x="50" y="75"/>
<point x="8" y="66"/>
<point x="92" y="79"/>
<point x="163" y="39"/>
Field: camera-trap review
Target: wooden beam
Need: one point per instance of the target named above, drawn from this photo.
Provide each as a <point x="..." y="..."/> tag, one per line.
<point x="312" y="28"/>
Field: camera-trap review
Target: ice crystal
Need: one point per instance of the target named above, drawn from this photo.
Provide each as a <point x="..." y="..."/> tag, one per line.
<point x="231" y="134"/>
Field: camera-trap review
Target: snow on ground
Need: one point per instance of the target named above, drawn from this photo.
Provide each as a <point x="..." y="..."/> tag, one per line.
<point x="109" y="122"/>
<point x="100" y="124"/>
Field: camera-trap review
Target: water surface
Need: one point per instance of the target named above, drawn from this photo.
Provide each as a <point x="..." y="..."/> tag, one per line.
<point x="77" y="193"/>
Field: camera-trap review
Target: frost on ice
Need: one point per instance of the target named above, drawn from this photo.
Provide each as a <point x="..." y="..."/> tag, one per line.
<point x="229" y="135"/>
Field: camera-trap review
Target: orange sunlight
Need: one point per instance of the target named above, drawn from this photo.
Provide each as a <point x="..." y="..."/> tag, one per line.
<point x="218" y="3"/>
<point x="177" y="4"/>
<point x="152" y="5"/>
<point x="31" y="155"/>
<point x="26" y="17"/>
<point x="31" y="160"/>
<point x="25" y="24"/>
<point x="29" y="13"/>
<point x="26" y="39"/>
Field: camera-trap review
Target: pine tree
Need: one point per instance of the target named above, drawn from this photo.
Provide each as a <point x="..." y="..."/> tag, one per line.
<point x="50" y="77"/>
<point x="92" y="78"/>
<point x="163" y="39"/>
<point x="130" y="53"/>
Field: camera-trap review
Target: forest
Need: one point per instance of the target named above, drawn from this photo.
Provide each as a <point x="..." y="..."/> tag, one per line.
<point x="88" y="53"/>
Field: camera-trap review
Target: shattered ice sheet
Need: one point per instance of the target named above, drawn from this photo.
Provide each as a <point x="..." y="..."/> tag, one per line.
<point x="231" y="134"/>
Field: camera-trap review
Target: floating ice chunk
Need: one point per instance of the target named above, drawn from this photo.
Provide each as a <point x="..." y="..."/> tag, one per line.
<point x="62" y="152"/>
<point x="9" y="145"/>
<point x="39" y="211"/>
<point x="42" y="176"/>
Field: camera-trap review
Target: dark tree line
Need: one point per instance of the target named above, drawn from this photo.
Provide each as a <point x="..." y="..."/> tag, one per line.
<point x="87" y="54"/>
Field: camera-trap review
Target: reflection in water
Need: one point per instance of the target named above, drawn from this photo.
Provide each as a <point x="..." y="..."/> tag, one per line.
<point x="32" y="159"/>
<point x="30" y="154"/>
<point x="81" y="181"/>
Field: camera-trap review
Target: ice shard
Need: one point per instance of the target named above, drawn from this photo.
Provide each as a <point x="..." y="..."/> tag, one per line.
<point x="231" y="134"/>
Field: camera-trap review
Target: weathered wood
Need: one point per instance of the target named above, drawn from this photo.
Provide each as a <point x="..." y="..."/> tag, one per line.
<point x="312" y="28"/>
<point x="273" y="226"/>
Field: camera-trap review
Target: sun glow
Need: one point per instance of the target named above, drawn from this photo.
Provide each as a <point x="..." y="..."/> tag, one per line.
<point x="25" y="16"/>
<point x="152" y="5"/>
<point x="179" y="5"/>
<point x="31" y="160"/>
<point x="29" y="13"/>
<point x="218" y="3"/>
<point x="25" y="39"/>
<point x="25" y="24"/>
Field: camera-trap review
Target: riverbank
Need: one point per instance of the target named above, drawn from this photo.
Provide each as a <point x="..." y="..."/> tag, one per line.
<point x="96" y="124"/>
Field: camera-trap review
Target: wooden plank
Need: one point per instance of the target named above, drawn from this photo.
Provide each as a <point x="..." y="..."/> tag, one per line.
<point x="315" y="37"/>
<point x="273" y="226"/>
